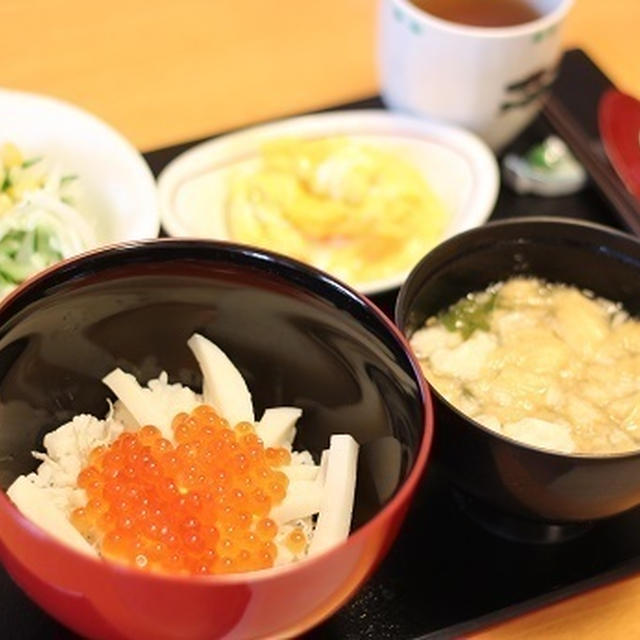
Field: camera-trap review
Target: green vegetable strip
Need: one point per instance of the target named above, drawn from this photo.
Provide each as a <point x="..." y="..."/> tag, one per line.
<point x="468" y="314"/>
<point x="23" y="253"/>
<point x="30" y="162"/>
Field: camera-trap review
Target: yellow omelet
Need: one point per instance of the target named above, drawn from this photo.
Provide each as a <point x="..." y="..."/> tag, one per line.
<point x="360" y="212"/>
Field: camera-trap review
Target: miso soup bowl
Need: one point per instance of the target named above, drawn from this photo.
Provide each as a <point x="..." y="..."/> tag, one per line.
<point x="299" y="338"/>
<point x="497" y="476"/>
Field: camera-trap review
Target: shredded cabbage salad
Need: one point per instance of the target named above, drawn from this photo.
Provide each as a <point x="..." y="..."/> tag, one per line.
<point x="39" y="224"/>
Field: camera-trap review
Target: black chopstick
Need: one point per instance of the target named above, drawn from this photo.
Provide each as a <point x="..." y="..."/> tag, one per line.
<point x="593" y="157"/>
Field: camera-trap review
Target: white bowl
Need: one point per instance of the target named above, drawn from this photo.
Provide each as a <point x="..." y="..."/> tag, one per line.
<point x="457" y="165"/>
<point x="118" y="192"/>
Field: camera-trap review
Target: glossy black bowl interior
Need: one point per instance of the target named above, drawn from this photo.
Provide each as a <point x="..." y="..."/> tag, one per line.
<point x="298" y="337"/>
<point x="514" y="478"/>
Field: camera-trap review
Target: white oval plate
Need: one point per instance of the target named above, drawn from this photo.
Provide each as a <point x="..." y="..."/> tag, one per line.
<point x="117" y="188"/>
<point x="457" y="165"/>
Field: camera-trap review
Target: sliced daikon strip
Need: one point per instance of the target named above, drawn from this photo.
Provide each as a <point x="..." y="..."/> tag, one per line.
<point x="300" y="471"/>
<point x="167" y="399"/>
<point x="224" y="387"/>
<point x="322" y="473"/>
<point x="303" y="499"/>
<point x="277" y="426"/>
<point x="138" y="401"/>
<point x="334" y="519"/>
<point x="33" y="503"/>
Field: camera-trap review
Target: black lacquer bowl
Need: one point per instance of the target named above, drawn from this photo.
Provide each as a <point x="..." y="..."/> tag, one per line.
<point x="299" y="338"/>
<point x="497" y="476"/>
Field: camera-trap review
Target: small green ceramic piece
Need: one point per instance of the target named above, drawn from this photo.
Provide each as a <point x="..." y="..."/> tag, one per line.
<point x="547" y="169"/>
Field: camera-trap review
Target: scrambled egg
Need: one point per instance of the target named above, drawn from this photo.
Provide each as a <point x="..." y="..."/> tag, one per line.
<point x="349" y="208"/>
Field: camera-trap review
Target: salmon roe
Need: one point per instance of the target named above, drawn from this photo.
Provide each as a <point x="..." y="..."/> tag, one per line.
<point x="199" y="506"/>
<point x="296" y="541"/>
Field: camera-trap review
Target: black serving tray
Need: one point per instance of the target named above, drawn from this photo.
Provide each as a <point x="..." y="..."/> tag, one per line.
<point x="446" y="576"/>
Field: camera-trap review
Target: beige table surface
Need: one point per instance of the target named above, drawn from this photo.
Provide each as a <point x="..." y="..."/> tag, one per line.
<point x="167" y="71"/>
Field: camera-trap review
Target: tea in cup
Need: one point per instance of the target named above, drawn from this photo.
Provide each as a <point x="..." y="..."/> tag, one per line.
<point x="482" y="64"/>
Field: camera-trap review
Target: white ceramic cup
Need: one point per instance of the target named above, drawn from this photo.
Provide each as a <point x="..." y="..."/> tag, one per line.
<point x="487" y="79"/>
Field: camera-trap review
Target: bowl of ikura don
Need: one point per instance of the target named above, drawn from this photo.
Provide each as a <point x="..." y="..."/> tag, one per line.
<point x="201" y="440"/>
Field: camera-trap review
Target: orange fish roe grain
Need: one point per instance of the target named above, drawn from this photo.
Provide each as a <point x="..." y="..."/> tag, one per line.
<point x="296" y="541"/>
<point x="199" y="507"/>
